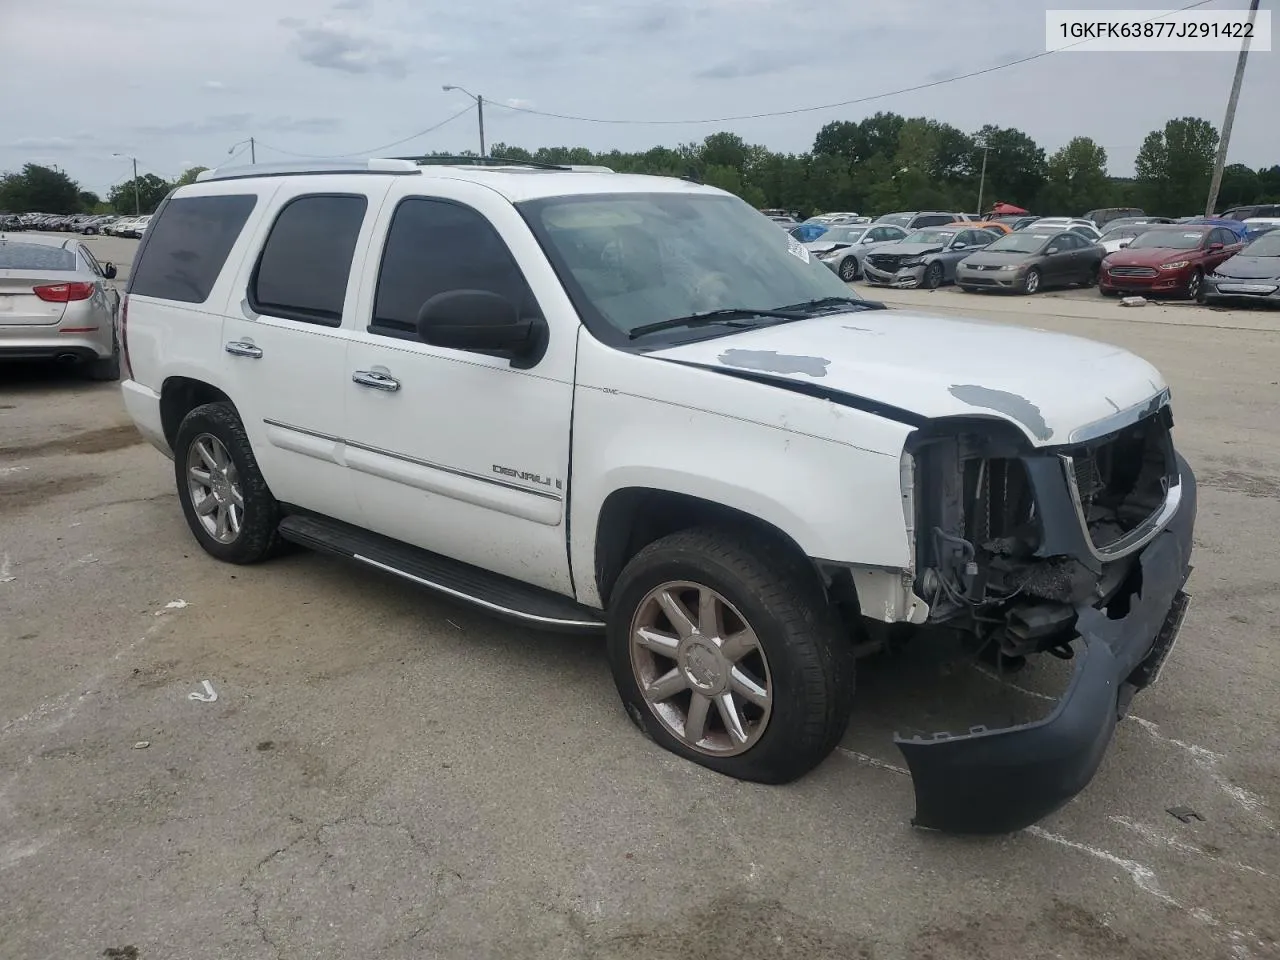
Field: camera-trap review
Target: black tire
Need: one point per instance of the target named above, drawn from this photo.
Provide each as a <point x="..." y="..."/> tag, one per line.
<point x="1195" y="284"/>
<point x="1031" y="283"/>
<point x="849" y="269"/>
<point x="965" y="287"/>
<point x="1091" y="278"/>
<point x="104" y="369"/>
<point x="1108" y="293"/>
<point x="810" y="661"/>
<point x="259" y="537"/>
<point x="932" y="276"/>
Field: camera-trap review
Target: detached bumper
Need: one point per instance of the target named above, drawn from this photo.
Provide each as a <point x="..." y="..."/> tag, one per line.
<point x="999" y="781"/>
<point x="903" y="277"/>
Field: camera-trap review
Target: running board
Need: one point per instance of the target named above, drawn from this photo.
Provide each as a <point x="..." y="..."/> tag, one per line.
<point x="500" y="595"/>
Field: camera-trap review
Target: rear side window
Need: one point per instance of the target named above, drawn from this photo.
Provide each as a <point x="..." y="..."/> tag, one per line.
<point x="187" y="245"/>
<point x="305" y="264"/>
<point x="435" y="246"/>
<point x="35" y="256"/>
<point x="933" y="220"/>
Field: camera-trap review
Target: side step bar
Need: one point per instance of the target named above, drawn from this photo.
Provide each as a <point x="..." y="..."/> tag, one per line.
<point x="500" y="595"/>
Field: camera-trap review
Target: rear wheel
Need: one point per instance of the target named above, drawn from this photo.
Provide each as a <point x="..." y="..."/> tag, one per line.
<point x="849" y="269"/>
<point x="224" y="496"/>
<point x="1091" y="278"/>
<point x="725" y="651"/>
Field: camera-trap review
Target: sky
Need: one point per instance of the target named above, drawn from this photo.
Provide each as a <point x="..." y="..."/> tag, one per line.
<point x="177" y="84"/>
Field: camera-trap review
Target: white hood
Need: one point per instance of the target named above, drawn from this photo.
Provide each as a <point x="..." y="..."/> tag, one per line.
<point x="1050" y="385"/>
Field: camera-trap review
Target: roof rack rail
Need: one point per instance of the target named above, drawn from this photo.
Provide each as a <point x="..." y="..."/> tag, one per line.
<point x="289" y="168"/>
<point x="478" y="161"/>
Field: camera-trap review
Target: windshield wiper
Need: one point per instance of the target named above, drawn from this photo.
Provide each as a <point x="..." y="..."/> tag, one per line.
<point x="726" y="316"/>
<point x="824" y="302"/>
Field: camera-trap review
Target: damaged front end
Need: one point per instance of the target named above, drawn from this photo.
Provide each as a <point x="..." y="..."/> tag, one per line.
<point x="1079" y="551"/>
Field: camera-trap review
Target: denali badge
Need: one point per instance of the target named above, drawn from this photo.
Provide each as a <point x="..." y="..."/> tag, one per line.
<point x="522" y="475"/>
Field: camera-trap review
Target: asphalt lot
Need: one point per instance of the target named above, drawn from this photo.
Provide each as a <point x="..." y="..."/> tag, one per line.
<point x="385" y="774"/>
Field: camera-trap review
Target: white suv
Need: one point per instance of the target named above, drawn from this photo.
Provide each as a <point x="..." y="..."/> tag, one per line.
<point x="602" y="402"/>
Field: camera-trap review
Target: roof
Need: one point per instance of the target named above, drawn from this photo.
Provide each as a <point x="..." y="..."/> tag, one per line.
<point x="516" y="182"/>
<point x="36" y="239"/>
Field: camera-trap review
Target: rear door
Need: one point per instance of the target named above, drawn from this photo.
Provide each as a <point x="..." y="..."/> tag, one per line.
<point x="284" y="346"/>
<point x="26" y="268"/>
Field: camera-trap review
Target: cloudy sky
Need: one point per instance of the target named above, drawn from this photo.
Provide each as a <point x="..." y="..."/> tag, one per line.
<point x="178" y="83"/>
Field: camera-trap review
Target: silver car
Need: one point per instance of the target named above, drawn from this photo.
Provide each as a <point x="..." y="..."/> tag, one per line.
<point x="56" y="304"/>
<point x="927" y="258"/>
<point x="842" y="248"/>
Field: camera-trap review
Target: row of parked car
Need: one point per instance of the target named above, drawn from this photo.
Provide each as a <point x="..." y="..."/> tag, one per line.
<point x="1205" y="259"/>
<point x="85" y="223"/>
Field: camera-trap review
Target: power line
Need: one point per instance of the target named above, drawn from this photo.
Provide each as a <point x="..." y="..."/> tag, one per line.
<point x="372" y="150"/>
<point x="824" y="106"/>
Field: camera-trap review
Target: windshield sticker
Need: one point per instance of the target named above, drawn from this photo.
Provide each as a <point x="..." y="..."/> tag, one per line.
<point x="1041" y="236"/>
<point x="797" y="249"/>
<point x="1191" y="236"/>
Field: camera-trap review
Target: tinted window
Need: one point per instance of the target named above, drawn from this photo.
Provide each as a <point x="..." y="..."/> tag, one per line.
<point x="32" y="256"/>
<point x="432" y="247"/>
<point x="1270" y="211"/>
<point x="306" y="261"/>
<point x="187" y="245"/>
<point x="933" y="220"/>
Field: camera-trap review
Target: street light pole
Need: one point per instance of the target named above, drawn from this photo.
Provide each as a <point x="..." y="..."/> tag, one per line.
<point x="982" y="180"/>
<point x="479" y="109"/>
<point x="253" y="152"/>
<point x="1221" y="161"/>
<point x="137" y="204"/>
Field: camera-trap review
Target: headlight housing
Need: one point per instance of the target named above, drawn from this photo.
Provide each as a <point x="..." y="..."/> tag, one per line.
<point x="913" y="262"/>
<point x="1175" y="265"/>
<point x="830" y="254"/>
<point x="1012" y="266"/>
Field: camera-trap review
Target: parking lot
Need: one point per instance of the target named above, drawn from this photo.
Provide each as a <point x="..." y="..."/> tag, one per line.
<point x="386" y="774"/>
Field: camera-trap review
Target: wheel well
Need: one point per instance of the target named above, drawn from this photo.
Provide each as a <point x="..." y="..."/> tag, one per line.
<point x="635" y="517"/>
<point x="178" y="397"/>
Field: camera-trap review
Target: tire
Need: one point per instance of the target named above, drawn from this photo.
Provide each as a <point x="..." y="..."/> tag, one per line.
<point x="932" y="277"/>
<point x="104" y="369"/>
<point x="1108" y="293"/>
<point x="849" y="269"/>
<point x="1031" y="283"/>
<point x="258" y="536"/>
<point x="1091" y="278"/>
<point x="799" y="657"/>
<point x="1195" y="284"/>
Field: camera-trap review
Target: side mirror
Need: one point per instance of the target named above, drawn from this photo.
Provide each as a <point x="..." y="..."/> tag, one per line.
<point x="109" y="271"/>
<point x="1053" y="250"/>
<point x="1215" y="246"/>
<point x="1123" y="244"/>
<point x="478" y="320"/>
<point x="959" y="245"/>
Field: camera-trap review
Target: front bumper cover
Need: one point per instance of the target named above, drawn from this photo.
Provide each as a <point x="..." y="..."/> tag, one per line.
<point x="1000" y="781"/>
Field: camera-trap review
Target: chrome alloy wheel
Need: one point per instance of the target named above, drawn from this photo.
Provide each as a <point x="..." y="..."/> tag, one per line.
<point x="692" y="651"/>
<point x="214" y="486"/>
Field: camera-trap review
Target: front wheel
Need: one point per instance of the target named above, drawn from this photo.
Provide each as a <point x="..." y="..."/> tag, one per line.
<point x="725" y="651"/>
<point x="933" y="276"/>
<point x="848" y="269"/>
<point x="224" y="496"/>
<point x="1195" y="283"/>
<point x="1032" y="282"/>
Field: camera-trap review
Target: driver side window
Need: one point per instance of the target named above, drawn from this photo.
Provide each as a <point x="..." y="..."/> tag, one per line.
<point x="435" y="246"/>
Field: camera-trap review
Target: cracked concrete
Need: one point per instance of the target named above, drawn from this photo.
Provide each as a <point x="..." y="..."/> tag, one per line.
<point x="386" y="775"/>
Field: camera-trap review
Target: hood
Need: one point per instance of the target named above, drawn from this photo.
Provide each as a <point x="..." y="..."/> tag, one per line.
<point x="818" y="246"/>
<point x="1242" y="267"/>
<point x="997" y="257"/>
<point x="914" y="249"/>
<point x="1051" y="386"/>
<point x="1150" y="256"/>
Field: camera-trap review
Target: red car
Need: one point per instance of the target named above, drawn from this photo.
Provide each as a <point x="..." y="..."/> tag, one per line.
<point x="1168" y="259"/>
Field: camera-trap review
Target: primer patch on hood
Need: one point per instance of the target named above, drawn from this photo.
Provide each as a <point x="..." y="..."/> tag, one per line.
<point x="770" y="361"/>
<point x="1010" y="404"/>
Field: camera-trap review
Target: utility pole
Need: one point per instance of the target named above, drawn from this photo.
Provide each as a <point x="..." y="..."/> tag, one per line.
<point x="480" y="114"/>
<point x="1221" y="161"/>
<point x="137" y="204"/>
<point x="982" y="181"/>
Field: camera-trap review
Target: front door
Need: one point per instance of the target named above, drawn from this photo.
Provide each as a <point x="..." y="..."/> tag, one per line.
<point x="462" y="453"/>
<point x="284" y="346"/>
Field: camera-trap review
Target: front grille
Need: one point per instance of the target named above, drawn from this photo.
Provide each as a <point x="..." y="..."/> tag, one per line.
<point x="1133" y="271"/>
<point x="883" y="261"/>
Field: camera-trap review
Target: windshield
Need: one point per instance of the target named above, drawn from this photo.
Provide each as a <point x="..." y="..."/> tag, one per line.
<point x="1121" y="233"/>
<point x="898" y="219"/>
<point x="843" y="234"/>
<point x="33" y="256"/>
<point x="638" y="258"/>
<point x="1168" y="239"/>
<point x="1267" y="245"/>
<point x="930" y="236"/>
<point x="1028" y="241"/>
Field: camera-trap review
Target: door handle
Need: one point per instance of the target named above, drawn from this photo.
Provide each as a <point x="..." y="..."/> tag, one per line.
<point x="242" y="348"/>
<point x="379" y="381"/>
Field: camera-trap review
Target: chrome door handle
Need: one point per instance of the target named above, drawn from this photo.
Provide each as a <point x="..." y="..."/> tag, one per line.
<point x="242" y="348"/>
<point x="379" y="381"/>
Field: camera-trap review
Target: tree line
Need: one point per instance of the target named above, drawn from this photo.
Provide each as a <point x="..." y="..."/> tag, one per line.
<point x="882" y="163"/>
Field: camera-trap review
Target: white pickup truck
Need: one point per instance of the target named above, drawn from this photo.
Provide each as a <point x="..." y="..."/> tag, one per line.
<point x="602" y="402"/>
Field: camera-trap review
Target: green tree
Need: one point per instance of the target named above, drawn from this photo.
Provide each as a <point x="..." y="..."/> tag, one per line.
<point x="150" y="190"/>
<point x="1174" y="166"/>
<point x="39" y="189"/>
<point x="89" y="201"/>
<point x="189" y="176"/>
<point x="1075" y="179"/>
<point x="1015" y="165"/>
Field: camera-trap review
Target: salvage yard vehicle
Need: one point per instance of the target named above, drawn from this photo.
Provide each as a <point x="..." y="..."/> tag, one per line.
<point x="56" y="304"/>
<point x="1030" y="260"/>
<point x="926" y="258"/>
<point x="1169" y="259"/>
<point x="1253" y="274"/>
<point x="605" y="402"/>
<point x="844" y="248"/>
